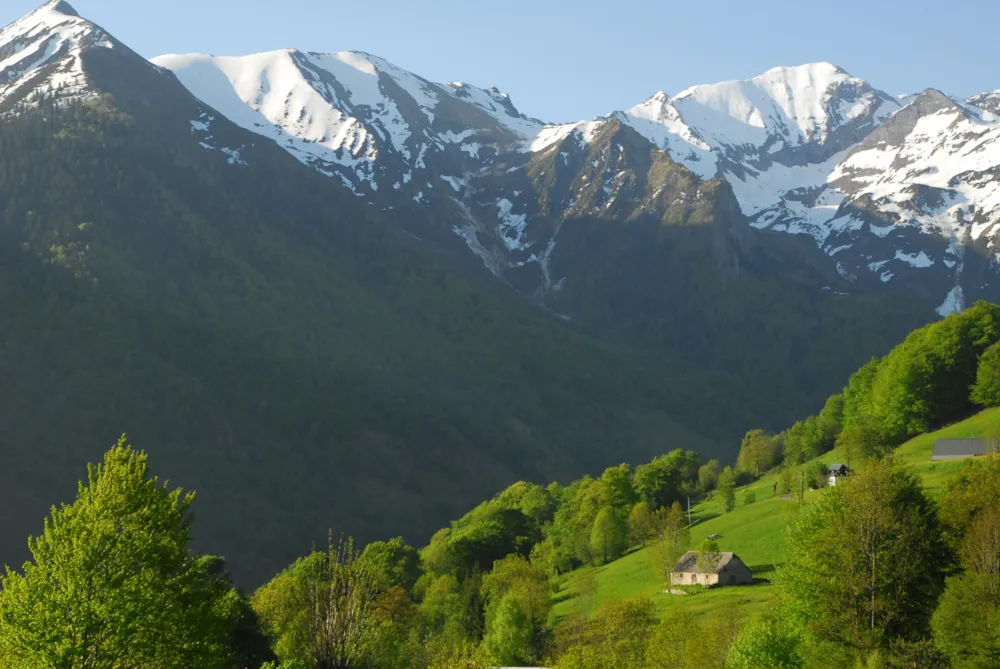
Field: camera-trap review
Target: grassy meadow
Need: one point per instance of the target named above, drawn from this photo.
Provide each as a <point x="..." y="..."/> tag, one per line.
<point x="755" y="532"/>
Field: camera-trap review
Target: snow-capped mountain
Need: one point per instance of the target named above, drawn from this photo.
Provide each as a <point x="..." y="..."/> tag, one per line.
<point x="897" y="192"/>
<point x="356" y="116"/>
<point x="805" y="150"/>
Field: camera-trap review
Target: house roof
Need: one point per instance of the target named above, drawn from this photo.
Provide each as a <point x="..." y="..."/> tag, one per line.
<point x="688" y="564"/>
<point x="836" y="468"/>
<point x="959" y="448"/>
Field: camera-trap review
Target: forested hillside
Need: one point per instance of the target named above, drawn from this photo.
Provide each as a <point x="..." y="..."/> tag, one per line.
<point x="892" y="567"/>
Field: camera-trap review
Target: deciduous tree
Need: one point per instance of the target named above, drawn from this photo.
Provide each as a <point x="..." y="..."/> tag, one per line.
<point x="865" y="561"/>
<point x="112" y="582"/>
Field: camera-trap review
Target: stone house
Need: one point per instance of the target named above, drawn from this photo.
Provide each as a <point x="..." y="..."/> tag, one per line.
<point x="723" y="569"/>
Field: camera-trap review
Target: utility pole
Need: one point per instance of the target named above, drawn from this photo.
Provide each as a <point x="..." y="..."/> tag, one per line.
<point x="689" y="511"/>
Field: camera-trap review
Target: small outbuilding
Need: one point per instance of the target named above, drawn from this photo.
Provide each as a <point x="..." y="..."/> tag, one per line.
<point x="836" y="472"/>
<point x="716" y="570"/>
<point x="957" y="449"/>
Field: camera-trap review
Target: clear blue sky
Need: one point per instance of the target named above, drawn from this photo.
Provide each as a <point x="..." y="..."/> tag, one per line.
<point x="574" y="59"/>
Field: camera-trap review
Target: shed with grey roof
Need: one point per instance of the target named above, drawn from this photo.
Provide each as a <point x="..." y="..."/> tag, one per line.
<point x="956" y="449"/>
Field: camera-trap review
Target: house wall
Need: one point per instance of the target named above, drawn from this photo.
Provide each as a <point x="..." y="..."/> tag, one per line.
<point x="691" y="578"/>
<point x="735" y="574"/>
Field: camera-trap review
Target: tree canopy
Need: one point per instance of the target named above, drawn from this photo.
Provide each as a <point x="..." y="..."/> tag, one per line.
<point x="112" y="582"/>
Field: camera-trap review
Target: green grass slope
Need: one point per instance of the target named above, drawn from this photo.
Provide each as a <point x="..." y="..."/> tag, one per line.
<point x="755" y="532"/>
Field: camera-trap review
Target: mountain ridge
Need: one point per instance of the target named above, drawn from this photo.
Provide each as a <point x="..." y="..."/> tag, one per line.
<point x="781" y="139"/>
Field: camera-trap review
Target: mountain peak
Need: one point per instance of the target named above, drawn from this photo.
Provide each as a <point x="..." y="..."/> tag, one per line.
<point x="49" y="39"/>
<point x="819" y="68"/>
<point x="62" y="7"/>
<point x="932" y="100"/>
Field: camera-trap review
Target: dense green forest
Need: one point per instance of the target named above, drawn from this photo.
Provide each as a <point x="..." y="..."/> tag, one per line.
<point x="250" y="326"/>
<point x="876" y="572"/>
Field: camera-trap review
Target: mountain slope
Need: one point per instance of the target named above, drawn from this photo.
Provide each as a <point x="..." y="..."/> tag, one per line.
<point x="274" y="342"/>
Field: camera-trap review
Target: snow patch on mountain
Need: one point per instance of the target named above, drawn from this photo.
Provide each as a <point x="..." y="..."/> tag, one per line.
<point x="954" y="302"/>
<point x="202" y="128"/>
<point x="512" y="225"/>
<point x="916" y="260"/>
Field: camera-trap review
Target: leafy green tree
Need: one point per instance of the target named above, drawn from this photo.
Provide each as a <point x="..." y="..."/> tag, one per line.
<point x="515" y="577"/>
<point x="640" y="524"/>
<point x="831" y="420"/>
<point x="677" y="642"/>
<point x="667" y="478"/>
<point x="112" y="582"/>
<point x="574" y="521"/>
<point x="975" y="489"/>
<point x="865" y="561"/>
<point x="862" y="440"/>
<point x="816" y="474"/>
<point x="394" y="562"/>
<point x="765" y="643"/>
<point x="981" y="546"/>
<point x="543" y="557"/>
<point x="609" y="537"/>
<point x="323" y="610"/>
<point x="708" y="475"/>
<point x="627" y="629"/>
<point x="482" y="538"/>
<point x="727" y="489"/>
<point x="750" y="497"/>
<point x="757" y="452"/>
<point x="538" y="503"/>
<point x="986" y="391"/>
<point x="509" y="634"/>
<point x="709" y="556"/>
<point x="786" y="480"/>
<point x="967" y="621"/>
<point x="670" y="541"/>
<point x="442" y="607"/>
<point x="616" y="487"/>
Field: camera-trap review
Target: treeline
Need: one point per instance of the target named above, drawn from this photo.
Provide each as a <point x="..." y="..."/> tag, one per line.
<point x="939" y="374"/>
